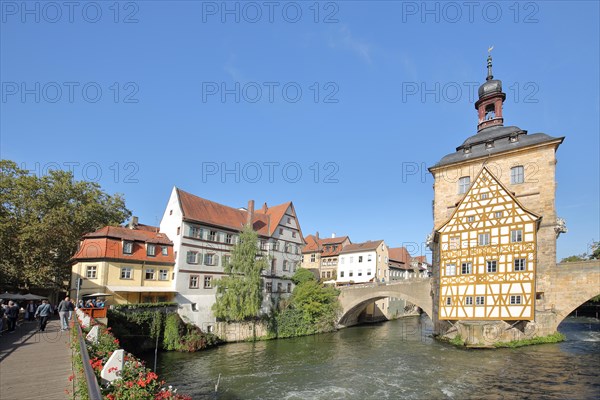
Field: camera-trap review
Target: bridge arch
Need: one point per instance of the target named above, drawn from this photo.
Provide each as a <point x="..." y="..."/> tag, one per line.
<point x="573" y="284"/>
<point x="355" y="298"/>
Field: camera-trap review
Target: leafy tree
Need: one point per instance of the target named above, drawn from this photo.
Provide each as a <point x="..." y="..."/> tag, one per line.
<point x="239" y="293"/>
<point x="595" y="251"/>
<point x="42" y="220"/>
<point x="312" y="308"/>
<point x="581" y="257"/>
<point x="302" y="275"/>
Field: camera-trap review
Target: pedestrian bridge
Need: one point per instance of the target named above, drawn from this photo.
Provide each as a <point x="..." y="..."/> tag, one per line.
<point x="355" y="298"/>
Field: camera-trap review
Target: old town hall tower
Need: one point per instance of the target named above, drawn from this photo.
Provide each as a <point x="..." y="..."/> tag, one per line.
<point x="495" y="226"/>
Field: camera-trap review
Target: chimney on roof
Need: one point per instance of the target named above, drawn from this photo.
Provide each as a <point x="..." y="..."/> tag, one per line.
<point x="250" y="214"/>
<point x="265" y="208"/>
<point x="317" y="235"/>
<point x="333" y="235"/>
<point x="133" y="222"/>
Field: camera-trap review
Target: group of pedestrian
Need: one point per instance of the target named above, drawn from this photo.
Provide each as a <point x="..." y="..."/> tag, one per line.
<point x="10" y="311"/>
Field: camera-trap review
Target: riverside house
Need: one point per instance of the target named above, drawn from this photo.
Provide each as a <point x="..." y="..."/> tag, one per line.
<point x="133" y="263"/>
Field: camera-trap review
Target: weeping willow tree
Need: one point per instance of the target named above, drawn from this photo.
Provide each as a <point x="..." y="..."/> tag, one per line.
<point x="239" y="293"/>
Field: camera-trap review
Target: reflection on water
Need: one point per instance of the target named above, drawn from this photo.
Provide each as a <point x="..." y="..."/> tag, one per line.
<point x="391" y="360"/>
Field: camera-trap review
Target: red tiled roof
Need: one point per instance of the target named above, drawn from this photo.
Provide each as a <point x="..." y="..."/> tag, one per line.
<point x="422" y="259"/>
<point x="400" y="254"/>
<point x="312" y="245"/>
<point x="124" y="233"/>
<point x="365" y="246"/>
<point x="399" y="265"/>
<point x="274" y="213"/>
<point x="334" y="240"/>
<point x="107" y="243"/>
<point x="201" y="210"/>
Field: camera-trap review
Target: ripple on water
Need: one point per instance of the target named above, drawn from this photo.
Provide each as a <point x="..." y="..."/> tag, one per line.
<point x="381" y="362"/>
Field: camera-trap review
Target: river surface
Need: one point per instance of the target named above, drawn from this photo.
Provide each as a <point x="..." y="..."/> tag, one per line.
<point x="391" y="360"/>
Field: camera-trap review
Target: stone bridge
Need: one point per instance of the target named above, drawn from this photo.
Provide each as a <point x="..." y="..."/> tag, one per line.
<point x="356" y="297"/>
<point x="568" y="285"/>
<point x="571" y="285"/>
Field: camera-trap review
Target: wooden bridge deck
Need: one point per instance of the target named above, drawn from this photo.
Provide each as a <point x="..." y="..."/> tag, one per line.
<point x="35" y="365"/>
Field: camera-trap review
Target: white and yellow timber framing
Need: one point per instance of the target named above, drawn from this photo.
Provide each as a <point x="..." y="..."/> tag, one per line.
<point x="491" y="231"/>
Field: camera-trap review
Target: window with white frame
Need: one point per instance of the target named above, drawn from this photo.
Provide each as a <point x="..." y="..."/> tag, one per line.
<point x="207" y="282"/>
<point x="516" y="235"/>
<point x="368" y="271"/>
<point x="341" y="260"/>
<point x="448" y="301"/>
<point x="192" y="257"/>
<point x="341" y="274"/>
<point x="293" y="234"/>
<point x="450" y="269"/>
<point x="212" y="236"/>
<point x="483" y="239"/>
<point x="520" y="264"/>
<point x="164" y="250"/>
<point x="127" y="247"/>
<point x="359" y="273"/>
<point x="498" y="214"/>
<point x="515" y="299"/>
<point x="351" y="259"/>
<point x="150" y="249"/>
<point x="163" y="274"/>
<point x="149" y="274"/>
<point x="229" y="238"/>
<point x="351" y="273"/>
<point x="285" y="265"/>
<point x="91" y="271"/>
<point x="194" y="280"/>
<point x="471" y="218"/>
<point x="517" y="174"/>
<point x="269" y="287"/>
<point x="360" y="259"/>
<point x="126" y="273"/>
<point x="313" y="257"/>
<point x="469" y="300"/>
<point x="369" y="257"/>
<point x="480" y="300"/>
<point x="491" y="266"/>
<point x="483" y="196"/>
<point x="466" y="268"/>
<point x="463" y="184"/>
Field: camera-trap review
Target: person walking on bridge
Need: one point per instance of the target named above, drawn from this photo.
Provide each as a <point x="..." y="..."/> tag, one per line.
<point x="44" y="311"/>
<point x="64" y="309"/>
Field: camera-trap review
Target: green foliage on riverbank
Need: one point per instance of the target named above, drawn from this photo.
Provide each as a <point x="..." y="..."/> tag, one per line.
<point x="139" y="327"/>
<point x="554" y="338"/>
<point x="312" y="308"/>
<point x="180" y="336"/>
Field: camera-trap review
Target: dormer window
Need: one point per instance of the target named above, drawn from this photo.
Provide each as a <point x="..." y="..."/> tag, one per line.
<point x="127" y="247"/>
<point x="489" y="145"/>
<point x="150" y="249"/>
<point x="467" y="150"/>
<point x="513" y="139"/>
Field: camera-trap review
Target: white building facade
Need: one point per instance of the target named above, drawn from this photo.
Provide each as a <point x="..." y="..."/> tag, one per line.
<point x="363" y="262"/>
<point x="204" y="233"/>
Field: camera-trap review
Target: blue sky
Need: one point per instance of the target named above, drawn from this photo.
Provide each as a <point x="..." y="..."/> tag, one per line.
<point x="142" y="96"/>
